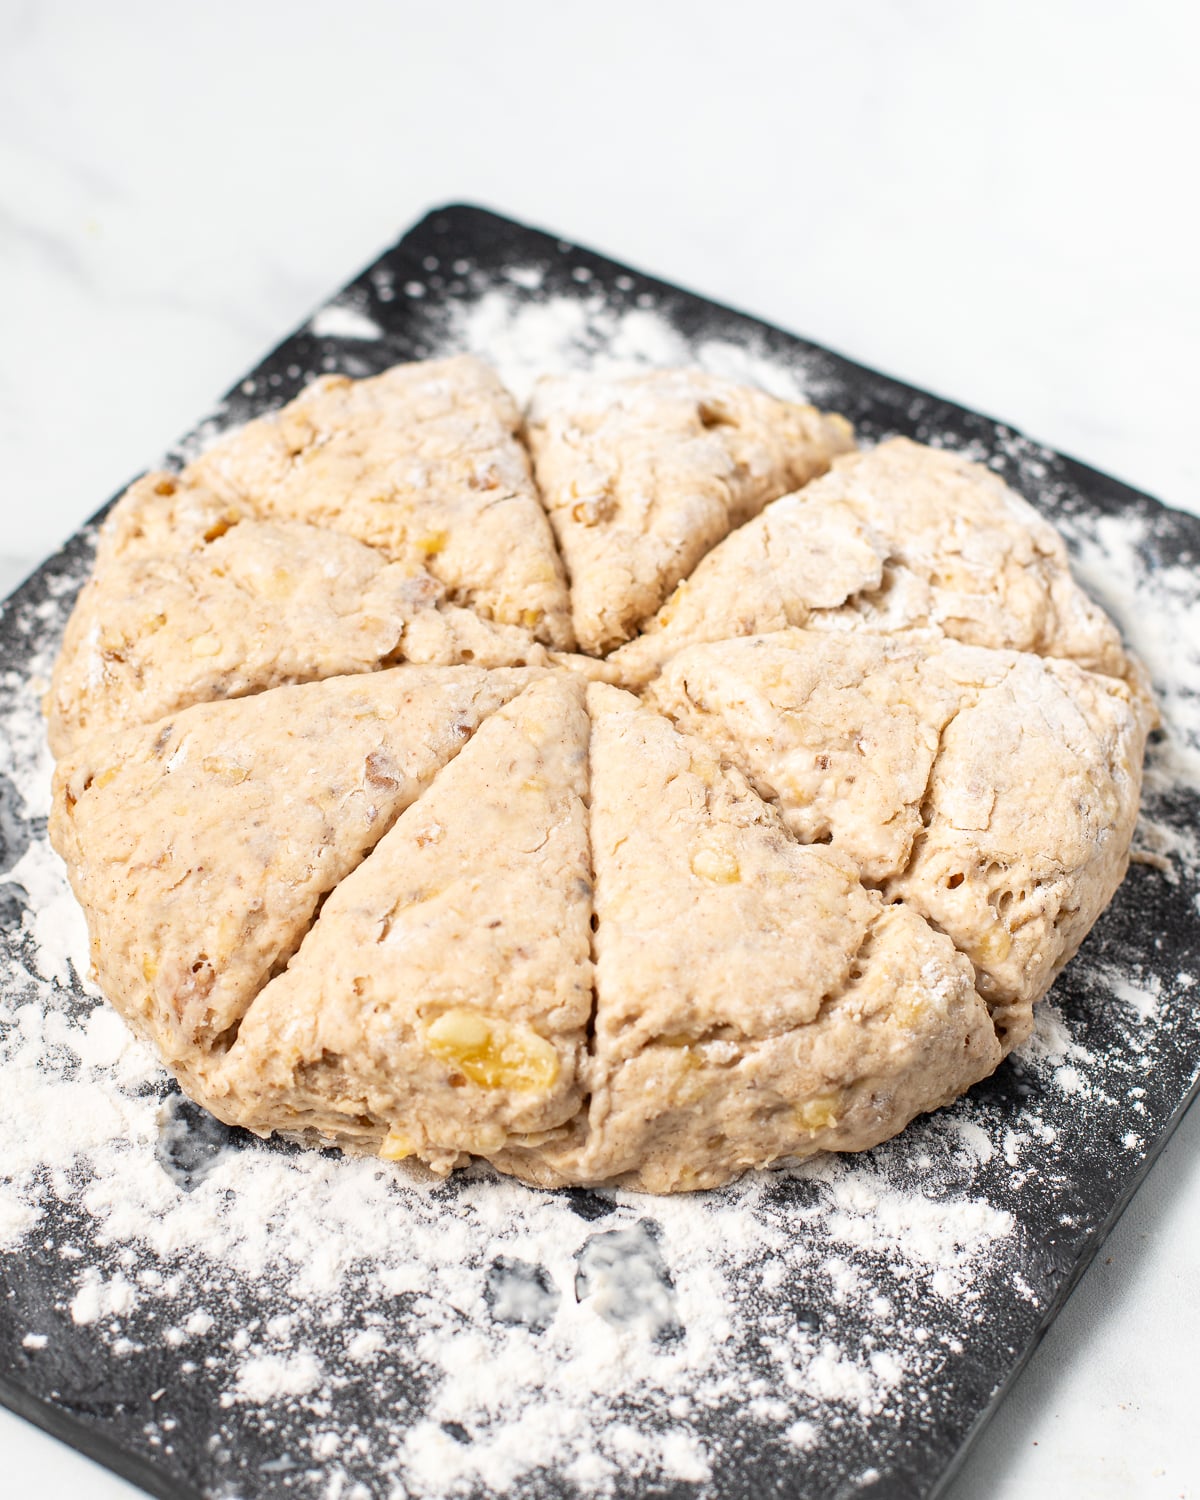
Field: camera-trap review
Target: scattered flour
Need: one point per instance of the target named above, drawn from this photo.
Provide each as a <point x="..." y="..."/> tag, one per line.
<point x="343" y="321"/>
<point x="870" y="1214"/>
<point x="1142" y="997"/>
<point x="527" y="337"/>
<point x="98" y="1299"/>
<point x="16" y="1218"/>
<point x="273" y="1377"/>
<point x="59" y="930"/>
<point x="1051" y="1041"/>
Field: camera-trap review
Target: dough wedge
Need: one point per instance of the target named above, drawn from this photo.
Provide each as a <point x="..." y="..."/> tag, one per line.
<point x="193" y="600"/>
<point x="899" y="537"/>
<point x="440" y="1004"/>
<point x="994" y="792"/>
<point x="754" y="1001"/>
<point x="423" y="464"/>
<point x="642" y="475"/>
<point x="200" y="847"/>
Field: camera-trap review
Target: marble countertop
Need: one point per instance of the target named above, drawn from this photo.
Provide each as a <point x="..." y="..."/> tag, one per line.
<point x="997" y="203"/>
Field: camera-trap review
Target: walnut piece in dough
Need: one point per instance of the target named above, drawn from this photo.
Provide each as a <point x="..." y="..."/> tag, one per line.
<point x="643" y="474"/>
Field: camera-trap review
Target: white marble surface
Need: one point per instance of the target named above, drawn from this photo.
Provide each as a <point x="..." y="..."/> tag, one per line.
<point x="995" y="202"/>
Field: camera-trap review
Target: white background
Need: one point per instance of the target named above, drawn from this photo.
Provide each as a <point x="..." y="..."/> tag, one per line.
<point x="994" y="201"/>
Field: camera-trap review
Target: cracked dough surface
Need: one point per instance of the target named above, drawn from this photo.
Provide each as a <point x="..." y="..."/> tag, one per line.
<point x="994" y="792"/>
<point x="226" y="824"/>
<point x="372" y="858"/>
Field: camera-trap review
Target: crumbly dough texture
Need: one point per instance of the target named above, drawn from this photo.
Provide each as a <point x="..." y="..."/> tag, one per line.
<point x="452" y="969"/>
<point x="374" y="856"/>
<point x="226" y="824"/>
<point x="994" y="792"/>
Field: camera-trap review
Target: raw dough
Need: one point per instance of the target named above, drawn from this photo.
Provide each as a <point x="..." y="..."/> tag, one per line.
<point x="753" y="1000"/>
<point x="895" y="538"/>
<point x="245" y="605"/>
<point x="880" y="780"/>
<point x="201" y="846"/>
<point x="440" y="1003"/>
<point x="643" y="475"/>
<point x="931" y="764"/>
<point x="422" y="463"/>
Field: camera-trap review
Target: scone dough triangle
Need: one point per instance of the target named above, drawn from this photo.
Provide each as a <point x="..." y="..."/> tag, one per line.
<point x="421" y="463"/>
<point x="1028" y="821"/>
<point x="642" y="475"/>
<point x="227" y="607"/>
<point x="840" y="731"/>
<point x="930" y="764"/>
<point x="440" y="1004"/>
<point x="896" y="538"/>
<point x="753" y="1000"/>
<point x="200" y="846"/>
<point x="192" y="599"/>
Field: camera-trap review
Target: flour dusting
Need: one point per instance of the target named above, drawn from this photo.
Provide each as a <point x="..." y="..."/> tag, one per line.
<point x="342" y="320"/>
<point x="531" y="336"/>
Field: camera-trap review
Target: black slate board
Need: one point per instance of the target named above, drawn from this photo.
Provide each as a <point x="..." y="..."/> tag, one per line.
<point x="184" y="1444"/>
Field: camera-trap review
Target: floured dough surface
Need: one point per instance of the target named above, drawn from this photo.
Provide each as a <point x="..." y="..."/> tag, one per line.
<point x="200" y="846"/>
<point x="421" y="463"/>
<point x="409" y="813"/>
<point x="643" y="475"/>
<point x="193" y="599"/>
<point x="461" y="956"/>
<point x="896" y="538"/>
<point x="752" y="998"/>
<point x="931" y="764"/>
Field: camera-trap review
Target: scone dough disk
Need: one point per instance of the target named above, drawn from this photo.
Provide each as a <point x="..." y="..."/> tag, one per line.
<point x="638" y="791"/>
